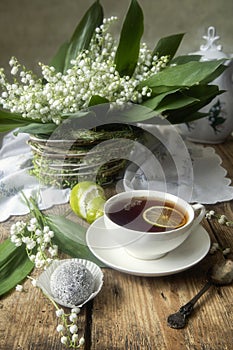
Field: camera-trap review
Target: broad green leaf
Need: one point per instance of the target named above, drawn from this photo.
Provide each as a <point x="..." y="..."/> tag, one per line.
<point x="194" y="96"/>
<point x="38" y="129"/>
<point x="14" y="265"/>
<point x="74" y="121"/>
<point x="153" y="102"/>
<point x="99" y="113"/>
<point x="190" y="115"/>
<point x="168" y="46"/>
<point x="97" y="100"/>
<point x="7" y="249"/>
<point x="185" y="114"/>
<point x="185" y="59"/>
<point x="83" y="33"/>
<point x="70" y="238"/>
<point x="70" y="229"/>
<point x="214" y="75"/>
<point x="78" y="114"/>
<point x="187" y="74"/>
<point x="157" y="90"/>
<point x="10" y="121"/>
<point x="11" y="116"/>
<point x="136" y="114"/>
<point x="129" y="44"/>
<point x="10" y="125"/>
<point x="175" y="101"/>
<point x="202" y="92"/>
<point x="58" y="61"/>
<point x="194" y="116"/>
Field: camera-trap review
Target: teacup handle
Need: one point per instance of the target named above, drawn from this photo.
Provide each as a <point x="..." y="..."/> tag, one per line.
<point x="200" y="216"/>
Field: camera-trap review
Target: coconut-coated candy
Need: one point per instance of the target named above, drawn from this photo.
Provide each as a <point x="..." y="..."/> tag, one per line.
<point x="72" y="283"/>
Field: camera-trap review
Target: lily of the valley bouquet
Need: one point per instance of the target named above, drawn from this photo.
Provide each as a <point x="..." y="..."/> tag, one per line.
<point x="92" y="69"/>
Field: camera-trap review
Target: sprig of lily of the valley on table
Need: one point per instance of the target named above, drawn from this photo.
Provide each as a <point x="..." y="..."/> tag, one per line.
<point x="79" y="75"/>
<point x="36" y="242"/>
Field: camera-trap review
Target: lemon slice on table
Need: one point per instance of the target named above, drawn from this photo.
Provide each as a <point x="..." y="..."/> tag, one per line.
<point x="87" y="200"/>
<point x="163" y="216"/>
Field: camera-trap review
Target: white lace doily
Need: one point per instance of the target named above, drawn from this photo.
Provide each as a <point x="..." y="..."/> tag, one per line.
<point x="206" y="182"/>
<point x="15" y="162"/>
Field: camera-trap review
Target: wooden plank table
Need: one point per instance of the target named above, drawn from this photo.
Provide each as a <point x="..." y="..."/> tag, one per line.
<point x="131" y="312"/>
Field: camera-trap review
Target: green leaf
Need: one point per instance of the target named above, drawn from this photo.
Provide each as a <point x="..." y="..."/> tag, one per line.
<point x="129" y="44"/>
<point x="189" y="115"/>
<point x="135" y="114"/>
<point x="183" y="115"/>
<point x="58" y="61"/>
<point x="202" y="92"/>
<point x="38" y="129"/>
<point x="70" y="238"/>
<point x="10" y="125"/>
<point x="10" y="121"/>
<point x="214" y="75"/>
<point x="14" y="265"/>
<point x="168" y="46"/>
<point x="157" y="90"/>
<point x="175" y="101"/>
<point x="195" y="116"/>
<point x="97" y="100"/>
<point x="83" y="33"/>
<point x="155" y="101"/>
<point x="187" y="74"/>
<point x="185" y="59"/>
<point x="7" y="249"/>
<point x="78" y="114"/>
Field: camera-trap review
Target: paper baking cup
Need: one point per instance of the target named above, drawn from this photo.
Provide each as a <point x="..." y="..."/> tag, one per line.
<point x="43" y="281"/>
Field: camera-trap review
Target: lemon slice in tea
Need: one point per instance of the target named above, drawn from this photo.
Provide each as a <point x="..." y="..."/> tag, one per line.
<point x="164" y="216"/>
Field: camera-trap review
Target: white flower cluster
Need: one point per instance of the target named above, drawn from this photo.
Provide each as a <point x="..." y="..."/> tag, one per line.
<point x="19" y="288"/>
<point x="38" y="241"/>
<point x="215" y="247"/>
<point x="222" y="219"/>
<point x="69" y="331"/>
<point x="92" y="73"/>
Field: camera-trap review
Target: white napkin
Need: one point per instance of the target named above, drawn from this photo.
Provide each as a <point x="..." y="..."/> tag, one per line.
<point x="15" y="163"/>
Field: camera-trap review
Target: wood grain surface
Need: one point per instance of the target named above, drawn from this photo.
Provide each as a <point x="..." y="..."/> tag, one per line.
<point x="130" y="312"/>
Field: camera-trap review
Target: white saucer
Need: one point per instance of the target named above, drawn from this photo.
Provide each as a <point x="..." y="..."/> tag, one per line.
<point x="193" y="250"/>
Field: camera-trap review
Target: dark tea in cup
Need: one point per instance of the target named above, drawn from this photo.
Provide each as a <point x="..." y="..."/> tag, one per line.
<point x="147" y="214"/>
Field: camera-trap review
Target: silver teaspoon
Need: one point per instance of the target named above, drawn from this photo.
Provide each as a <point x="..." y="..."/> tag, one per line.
<point x="220" y="274"/>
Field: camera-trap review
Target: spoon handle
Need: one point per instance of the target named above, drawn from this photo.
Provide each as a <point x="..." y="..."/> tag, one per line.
<point x="178" y="319"/>
<point x="188" y="308"/>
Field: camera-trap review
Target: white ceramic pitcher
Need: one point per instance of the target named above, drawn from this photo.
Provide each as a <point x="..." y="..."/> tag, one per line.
<point x="218" y="125"/>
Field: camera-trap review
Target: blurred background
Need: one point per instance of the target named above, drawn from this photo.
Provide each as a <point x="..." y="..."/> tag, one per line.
<point x="32" y="30"/>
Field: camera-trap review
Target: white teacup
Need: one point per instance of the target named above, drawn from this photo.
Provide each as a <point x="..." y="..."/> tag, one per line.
<point x="150" y="245"/>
